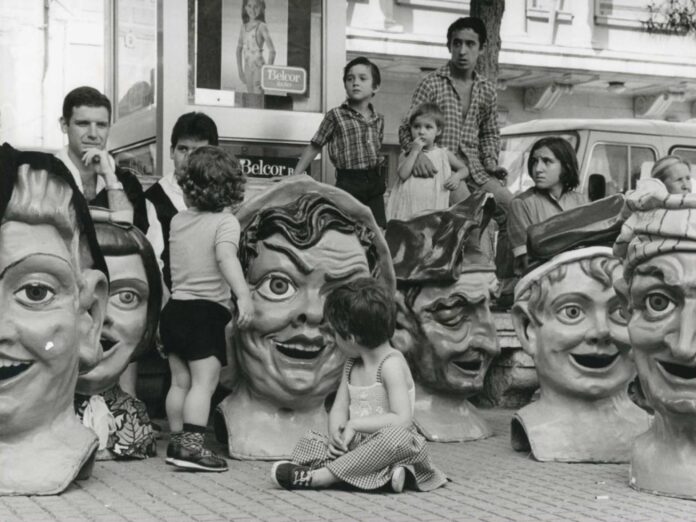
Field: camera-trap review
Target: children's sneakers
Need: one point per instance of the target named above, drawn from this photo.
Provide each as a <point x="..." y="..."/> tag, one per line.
<point x="186" y="451"/>
<point x="289" y="475"/>
<point x="398" y="479"/>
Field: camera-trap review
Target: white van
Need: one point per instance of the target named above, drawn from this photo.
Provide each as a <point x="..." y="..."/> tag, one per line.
<point x="612" y="154"/>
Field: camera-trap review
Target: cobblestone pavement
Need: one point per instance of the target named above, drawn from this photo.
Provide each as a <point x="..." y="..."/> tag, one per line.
<point x="490" y="482"/>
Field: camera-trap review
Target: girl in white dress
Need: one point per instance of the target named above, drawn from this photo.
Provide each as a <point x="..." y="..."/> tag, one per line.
<point x="411" y="195"/>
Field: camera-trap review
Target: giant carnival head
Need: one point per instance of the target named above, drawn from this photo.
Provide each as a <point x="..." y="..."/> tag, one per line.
<point x="300" y="240"/>
<point x="135" y="298"/>
<point x="53" y="292"/>
<point x="445" y="284"/>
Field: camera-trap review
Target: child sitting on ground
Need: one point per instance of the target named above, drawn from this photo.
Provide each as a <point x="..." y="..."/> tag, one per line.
<point x="204" y="266"/>
<point x="371" y="440"/>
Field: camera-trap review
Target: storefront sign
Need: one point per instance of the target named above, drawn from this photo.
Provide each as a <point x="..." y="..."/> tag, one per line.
<point x="283" y="79"/>
<point x="261" y="167"/>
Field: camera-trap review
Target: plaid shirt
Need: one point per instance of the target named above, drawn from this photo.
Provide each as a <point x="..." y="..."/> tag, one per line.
<point x="354" y="140"/>
<point x="474" y="135"/>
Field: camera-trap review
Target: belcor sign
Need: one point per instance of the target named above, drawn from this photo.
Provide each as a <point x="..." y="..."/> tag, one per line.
<point x="261" y="167"/>
<point x="281" y="78"/>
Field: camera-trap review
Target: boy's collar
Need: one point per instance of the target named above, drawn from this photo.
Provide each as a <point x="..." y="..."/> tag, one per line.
<point x="446" y="71"/>
<point x="371" y="108"/>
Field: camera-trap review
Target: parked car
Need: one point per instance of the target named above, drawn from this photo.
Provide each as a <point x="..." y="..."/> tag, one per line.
<point x="612" y="153"/>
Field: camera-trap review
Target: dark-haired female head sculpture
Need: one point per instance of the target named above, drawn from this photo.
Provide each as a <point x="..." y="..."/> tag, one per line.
<point x="299" y="240"/>
<point x="51" y="310"/>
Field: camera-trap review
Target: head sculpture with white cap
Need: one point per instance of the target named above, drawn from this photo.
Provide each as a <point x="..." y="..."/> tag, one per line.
<point x="658" y="246"/>
<point x="569" y="319"/>
<point x="53" y="292"/>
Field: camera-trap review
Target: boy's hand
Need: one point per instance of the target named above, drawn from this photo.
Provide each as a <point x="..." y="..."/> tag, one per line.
<point x="348" y="435"/>
<point x="246" y="312"/>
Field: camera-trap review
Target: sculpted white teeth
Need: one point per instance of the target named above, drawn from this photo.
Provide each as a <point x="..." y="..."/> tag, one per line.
<point x="9" y="369"/>
<point x="299" y="350"/>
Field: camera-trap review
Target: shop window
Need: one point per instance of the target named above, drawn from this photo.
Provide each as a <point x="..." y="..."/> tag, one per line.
<point x="135" y="55"/>
<point x="255" y="54"/>
<point x="139" y="159"/>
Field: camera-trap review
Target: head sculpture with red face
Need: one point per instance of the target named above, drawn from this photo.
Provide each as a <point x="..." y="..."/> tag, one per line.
<point x="299" y="240"/>
<point x="53" y="291"/>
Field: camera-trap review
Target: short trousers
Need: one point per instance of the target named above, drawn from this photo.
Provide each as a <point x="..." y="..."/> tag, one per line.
<point x="194" y="329"/>
<point x="367" y="186"/>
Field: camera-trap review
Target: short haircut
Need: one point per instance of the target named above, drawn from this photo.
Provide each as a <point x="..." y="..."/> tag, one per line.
<point x="565" y="154"/>
<point x="212" y="179"/>
<point x="84" y="96"/>
<point x="361" y="60"/>
<point x="600" y="268"/>
<point x="470" y="22"/>
<point x="661" y="168"/>
<point x="196" y="126"/>
<point x="431" y="110"/>
<point x="364" y="309"/>
<point x="117" y="240"/>
<point x="262" y="15"/>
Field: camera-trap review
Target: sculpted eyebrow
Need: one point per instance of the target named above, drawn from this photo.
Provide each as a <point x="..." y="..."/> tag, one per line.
<point x="292" y="255"/>
<point x="330" y="278"/>
<point x="25" y="258"/>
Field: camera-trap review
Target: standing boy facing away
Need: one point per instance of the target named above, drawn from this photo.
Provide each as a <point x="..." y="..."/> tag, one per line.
<point x="354" y="133"/>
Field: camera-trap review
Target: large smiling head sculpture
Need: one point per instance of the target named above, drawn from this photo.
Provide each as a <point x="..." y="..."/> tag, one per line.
<point x="658" y="245"/>
<point x="570" y="320"/>
<point x="444" y="324"/>
<point x="52" y="306"/>
<point x="299" y="240"/>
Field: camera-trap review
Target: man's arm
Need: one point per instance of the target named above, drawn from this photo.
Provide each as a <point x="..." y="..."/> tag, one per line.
<point x="489" y="134"/>
<point x="422" y="94"/>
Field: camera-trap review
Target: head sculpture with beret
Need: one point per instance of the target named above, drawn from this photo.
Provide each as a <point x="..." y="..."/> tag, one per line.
<point x="658" y="247"/>
<point x="444" y="324"/>
<point x="299" y="240"/>
<point x="53" y="293"/>
<point x="570" y="320"/>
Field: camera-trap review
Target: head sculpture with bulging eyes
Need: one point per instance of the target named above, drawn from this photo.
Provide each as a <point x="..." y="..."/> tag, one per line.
<point x="53" y="291"/>
<point x="299" y="241"/>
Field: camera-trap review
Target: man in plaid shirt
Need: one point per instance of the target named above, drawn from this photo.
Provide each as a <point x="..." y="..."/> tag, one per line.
<point x="469" y="102"/>
<point x="354" y="132"/>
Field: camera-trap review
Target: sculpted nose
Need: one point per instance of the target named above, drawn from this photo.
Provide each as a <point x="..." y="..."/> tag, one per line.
<point x="599" y="332"/>
<point x="685" y="346"/>
<point x="312" y="309"/>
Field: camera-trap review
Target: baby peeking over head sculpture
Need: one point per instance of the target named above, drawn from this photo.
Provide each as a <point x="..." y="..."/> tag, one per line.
<point x="658" y="246"/>
<point x="299" y="240"/>
<point x="53" y="292"/>
<point x="570" y="320"/>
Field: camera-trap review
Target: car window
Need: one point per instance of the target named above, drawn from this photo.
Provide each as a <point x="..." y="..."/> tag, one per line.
<point x="611" y="162"/>
<point x="688" y="154"/>
<point x="639" y="157"/>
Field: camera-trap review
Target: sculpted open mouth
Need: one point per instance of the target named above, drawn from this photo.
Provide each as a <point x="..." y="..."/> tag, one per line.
<point x="301" y="347"/>
<point x="471" y="362"/>
<point x="594" y="361"/>
<point x="682" y="371"/>
<point x="9" y="369"/>
<point x="107" y="344"/>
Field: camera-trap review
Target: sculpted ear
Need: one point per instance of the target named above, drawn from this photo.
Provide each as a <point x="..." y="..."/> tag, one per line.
<point x="93" y="298"/>
<point x="525" y="328"/>
<point x="403" y="339"/>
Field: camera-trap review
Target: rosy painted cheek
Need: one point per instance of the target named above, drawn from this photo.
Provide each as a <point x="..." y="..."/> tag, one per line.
<point x="269" y="318"/>
<point x="647" y="336"/>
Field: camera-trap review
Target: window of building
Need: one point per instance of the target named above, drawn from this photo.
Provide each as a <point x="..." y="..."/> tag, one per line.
<point x="252" y="54"/>
<point x="135" y="55"/>
<point x="543" y="9"/>
<point x="626" y="13"/>
<point x="461" y="6"/>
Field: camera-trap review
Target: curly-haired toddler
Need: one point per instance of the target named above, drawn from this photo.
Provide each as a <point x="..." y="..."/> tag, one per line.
<point x="204" y="268"/>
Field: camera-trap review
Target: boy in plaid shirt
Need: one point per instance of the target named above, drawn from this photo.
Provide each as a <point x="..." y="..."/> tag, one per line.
<point x="354" y="133"/>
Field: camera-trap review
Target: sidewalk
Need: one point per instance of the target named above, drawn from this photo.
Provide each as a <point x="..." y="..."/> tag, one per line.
<point x="489" y="482"/>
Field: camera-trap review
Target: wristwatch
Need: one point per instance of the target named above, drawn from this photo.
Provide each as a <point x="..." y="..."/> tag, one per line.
<point x="115" y="186"/>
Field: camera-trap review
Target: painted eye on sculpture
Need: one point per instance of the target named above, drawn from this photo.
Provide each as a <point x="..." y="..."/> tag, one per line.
<point x="571" y="314"/>
<point x="450" y="316"/>
<point x="658" y="304"/>
<point x="125" y="299"/>
<point x="619" y="315"/>
<point x="276" y="287"/>
<point x="33" y="294"/>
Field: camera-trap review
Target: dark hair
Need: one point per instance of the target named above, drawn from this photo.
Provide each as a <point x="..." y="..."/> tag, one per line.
<point x="212" y="179"/>
<point x="262" y="15"/>
<point x="428" y="109"/>
<point x="363" y="308"/>
<point x="84" y="96"/>
<point x="116" y="239"/>
<point x="470" y="22"/>
<point x="361" y="60"/>
<point x="196" y="126"/>
<point x="303" y="223"/>
<point x="565" y="154"/>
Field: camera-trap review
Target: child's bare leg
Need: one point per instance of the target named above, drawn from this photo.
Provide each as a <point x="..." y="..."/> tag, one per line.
<point x="181" y="383"/>
<point x="323" y="478"/>
<point x="205" y="374"/>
